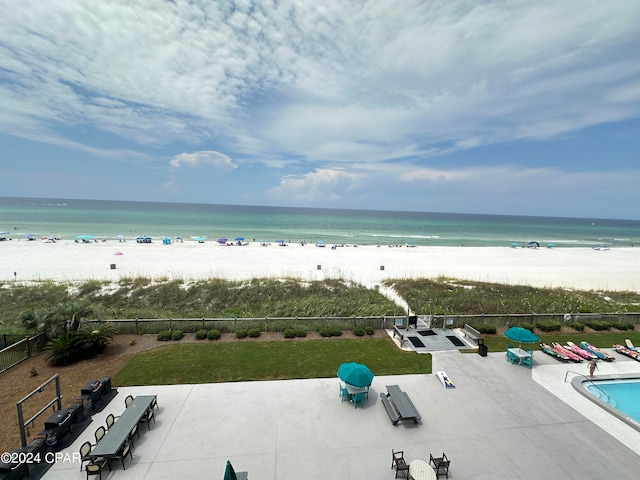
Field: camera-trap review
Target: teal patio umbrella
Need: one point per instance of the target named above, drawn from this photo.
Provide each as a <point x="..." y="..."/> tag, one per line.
<point x="355" y="374"/>
<point x="521" y="335"/>
<point x="229" y="472"/>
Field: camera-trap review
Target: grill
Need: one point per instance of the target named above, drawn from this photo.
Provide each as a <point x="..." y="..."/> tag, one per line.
<point x="57" y="426"/>
<point x="91" y="392"/>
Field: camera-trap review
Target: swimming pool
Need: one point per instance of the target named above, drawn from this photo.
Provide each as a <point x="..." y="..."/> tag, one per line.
<point x="618" y="395"/>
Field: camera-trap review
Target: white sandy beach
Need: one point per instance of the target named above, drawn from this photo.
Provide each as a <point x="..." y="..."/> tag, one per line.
<point x="578" y="268"/>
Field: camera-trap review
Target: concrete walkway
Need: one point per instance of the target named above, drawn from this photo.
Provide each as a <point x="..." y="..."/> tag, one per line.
<point x="502" y="421"/>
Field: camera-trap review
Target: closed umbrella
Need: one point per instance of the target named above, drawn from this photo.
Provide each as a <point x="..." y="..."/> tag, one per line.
<point x="229" y="472"/>
<point x="355" y="374"/>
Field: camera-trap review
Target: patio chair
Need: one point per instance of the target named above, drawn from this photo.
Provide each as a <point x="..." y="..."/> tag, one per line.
<point x="344" y="394"/>
<point x="147" y="419"/>
<point x="357" y="398"/>
<point x="122" y="454"/>
<point x="528" y="361"/>
<point x="440" y="464"/>
<point x="100" y="431"/>
<point x="110" y="420"/>
<point x="85" y="449"/>
<point x="95" y="468"/>
<point x="398" y="462"/>
<point x="134" y="431"/>
<point x="128" y="400"/>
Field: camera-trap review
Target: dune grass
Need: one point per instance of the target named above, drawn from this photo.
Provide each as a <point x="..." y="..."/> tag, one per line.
<point x="240" y="361"/>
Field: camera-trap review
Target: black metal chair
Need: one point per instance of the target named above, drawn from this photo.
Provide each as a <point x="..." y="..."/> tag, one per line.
<point x="122" y="455"/>
<point x="110" y="420"/>
<point x="147" y="418"/>
<point x="134" y="431"/>
<point x="128" y="400"/>
<point x="440" y="464"/>
<point x="95" y="468"/>
<point x="399" y="463"/>
<point x="100" y="431"/>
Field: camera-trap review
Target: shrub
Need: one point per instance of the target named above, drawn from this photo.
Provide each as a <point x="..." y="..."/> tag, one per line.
<point x="485" y="328"/>
<point x="332" y="331"/>
<point x="624" y="326"/>
<point x="254" y="332"/>
<point x="164" y="336"/>
<point x="177" y="335"/>
<point x="301" y="332"/>
<point x="65" y="349"/>
<point x="324" y="331"/>
<point x="289" y="333"/>
<point x="598" y="325"/>
<point x="358" y="331"/>
<point x="201" y="334"/>
<point x="369" y="330"/>
<point x="33" y="372"/>
<point x="213" y="334"/>
<point x="241" y="333"/>
<point x="577" y="326"/>
<point x="132" y="342"/>
<point x="549" y="326"/>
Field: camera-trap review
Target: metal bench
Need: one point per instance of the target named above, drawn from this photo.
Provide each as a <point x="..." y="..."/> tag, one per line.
<point x="393" y="415"/>
<point x="398" y="333"/>
<point x="470" y="332"/>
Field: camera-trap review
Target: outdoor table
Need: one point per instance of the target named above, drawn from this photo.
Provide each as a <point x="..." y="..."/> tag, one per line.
<point x="405" y="407"/>
<point x="420" y="470"/>
<point x="353" y="390"/>
<point x="519" y="353"/>
<point x="110" y="445"/>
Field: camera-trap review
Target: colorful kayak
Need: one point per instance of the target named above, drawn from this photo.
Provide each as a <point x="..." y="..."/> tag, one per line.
<point x="550" y="351"/>
<point x="587" y="355"/>
<point x="596" y="351"/>
<point x="567" y="353"/>
<point x="622" y="350"/>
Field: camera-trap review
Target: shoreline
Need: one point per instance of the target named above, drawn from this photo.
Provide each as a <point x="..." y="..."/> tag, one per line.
<point x="565" y="267"/>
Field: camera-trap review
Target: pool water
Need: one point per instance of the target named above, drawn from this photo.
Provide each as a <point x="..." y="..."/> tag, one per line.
<point x="623" y="395"/>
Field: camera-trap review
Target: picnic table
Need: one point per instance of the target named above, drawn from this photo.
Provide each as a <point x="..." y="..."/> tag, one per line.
<point x="111" y="444"/>
<point x="399" y="406"/>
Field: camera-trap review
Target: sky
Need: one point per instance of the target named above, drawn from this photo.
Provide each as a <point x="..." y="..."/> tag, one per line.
<point x="496" y="107"/>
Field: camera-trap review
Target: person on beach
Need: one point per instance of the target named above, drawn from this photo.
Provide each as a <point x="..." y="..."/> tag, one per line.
<point x="593" y="366"/>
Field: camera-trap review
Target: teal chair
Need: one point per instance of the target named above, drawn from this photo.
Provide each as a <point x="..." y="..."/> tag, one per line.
<point x="358" y="398"/>
<point x="344" y="394"/>
<point x="528" y="361"/>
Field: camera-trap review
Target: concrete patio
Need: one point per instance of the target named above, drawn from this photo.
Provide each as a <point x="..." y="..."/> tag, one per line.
<point x="501" y="421"/>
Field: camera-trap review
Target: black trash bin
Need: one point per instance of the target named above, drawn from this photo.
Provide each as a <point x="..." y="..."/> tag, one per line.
<point x="482" y="348"/>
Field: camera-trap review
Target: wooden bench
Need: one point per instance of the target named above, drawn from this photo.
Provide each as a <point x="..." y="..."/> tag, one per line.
<point x="398" y="333"/>
<point x="393" y="415"/>
<point x="470" y="332"/>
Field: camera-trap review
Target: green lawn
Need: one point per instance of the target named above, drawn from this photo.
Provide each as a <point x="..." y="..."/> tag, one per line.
<point x="241" y="361"/>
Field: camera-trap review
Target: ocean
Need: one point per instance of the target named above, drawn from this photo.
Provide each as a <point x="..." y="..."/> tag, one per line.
<point x="106" y="219"/>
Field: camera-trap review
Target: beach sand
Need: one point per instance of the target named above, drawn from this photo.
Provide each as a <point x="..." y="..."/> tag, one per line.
<point x="575" y="268"/>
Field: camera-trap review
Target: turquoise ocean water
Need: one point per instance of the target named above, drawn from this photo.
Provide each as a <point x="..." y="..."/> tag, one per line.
<point x="106" y="219"/>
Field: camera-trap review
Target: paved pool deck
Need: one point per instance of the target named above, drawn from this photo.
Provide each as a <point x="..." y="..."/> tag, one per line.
<point x="501" y="421"/>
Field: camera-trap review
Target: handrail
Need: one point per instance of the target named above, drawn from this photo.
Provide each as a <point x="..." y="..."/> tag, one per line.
<point x="590" y="381"/>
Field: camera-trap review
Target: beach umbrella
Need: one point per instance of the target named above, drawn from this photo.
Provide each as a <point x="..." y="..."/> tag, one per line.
<point x="222" y="240"/>
<point x="355" y="374"/>
<point x="229" y="472"/>
<point x="521" y="335"/>
<point x="239" y="239"/>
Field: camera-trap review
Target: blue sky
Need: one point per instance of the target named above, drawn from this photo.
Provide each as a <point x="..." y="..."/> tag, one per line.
<point x="505" y="107"/>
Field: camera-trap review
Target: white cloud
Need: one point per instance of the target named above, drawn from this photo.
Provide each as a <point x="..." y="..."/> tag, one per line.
<point x="218" y="160"/>
<point x="321" y="184"/>
<point x="340" y="83"/>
